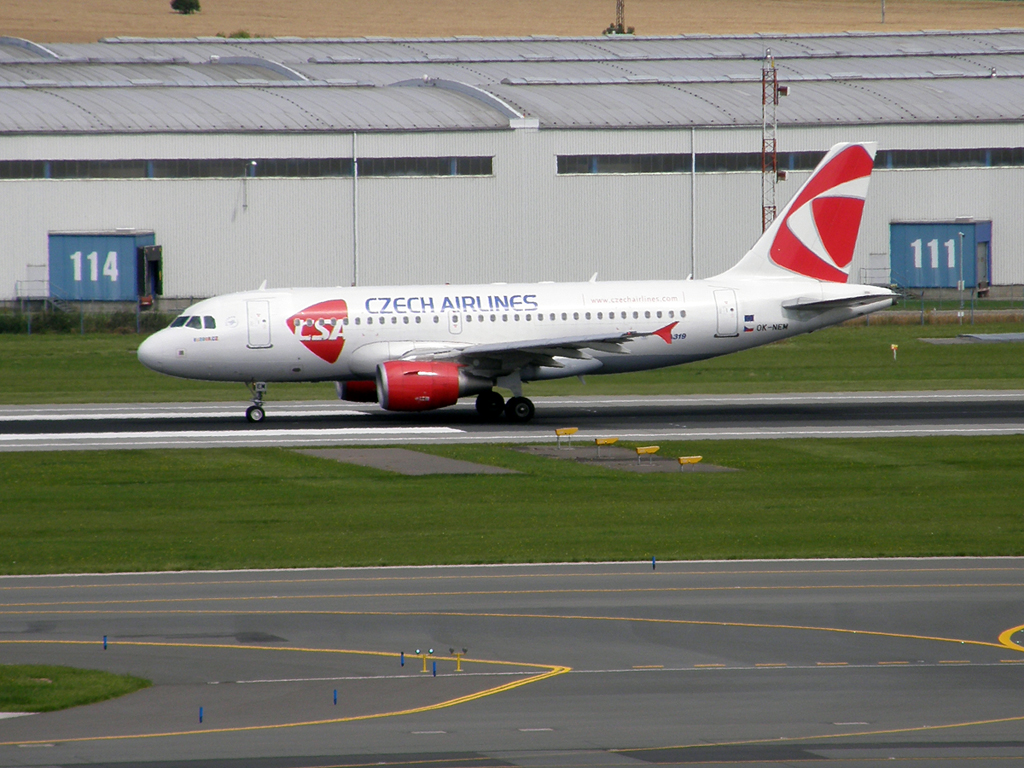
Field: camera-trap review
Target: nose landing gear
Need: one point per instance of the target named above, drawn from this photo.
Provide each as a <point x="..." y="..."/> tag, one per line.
<point x="254" y="414"/>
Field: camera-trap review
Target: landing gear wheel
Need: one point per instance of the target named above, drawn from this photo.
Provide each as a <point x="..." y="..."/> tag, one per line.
<point x="490" y="405"/>
<point x="519" y="410"/>
<point x="254" y="414"/>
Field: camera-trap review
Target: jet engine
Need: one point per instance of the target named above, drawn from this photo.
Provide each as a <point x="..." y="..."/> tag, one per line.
<point x="357" y="391"/>
<point x="411" y="386"/>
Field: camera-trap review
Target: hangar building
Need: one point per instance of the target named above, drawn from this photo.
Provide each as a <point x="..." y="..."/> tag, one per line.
<point x="194" y="167"/>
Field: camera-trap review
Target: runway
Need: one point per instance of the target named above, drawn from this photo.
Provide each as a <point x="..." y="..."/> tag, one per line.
<point x="770" y="663"/>
<point x="862" y="414"/>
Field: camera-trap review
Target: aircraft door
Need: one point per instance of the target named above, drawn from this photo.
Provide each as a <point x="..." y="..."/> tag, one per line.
<point x="454" y="323"/>
<point x="728" y="316"/>
<point x="259" y="324"/>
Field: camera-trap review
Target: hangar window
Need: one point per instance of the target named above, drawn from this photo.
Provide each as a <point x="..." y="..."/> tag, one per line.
<point x="750" y="162"/>
<point x="669" y="163"/>
<point x="718" y="162"/>
<point x="24" y="169"/>
<point x="425" y="166"/>
<point x="950" y="158"/>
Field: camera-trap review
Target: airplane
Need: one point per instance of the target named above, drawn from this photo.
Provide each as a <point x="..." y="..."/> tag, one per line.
<point x="418" y="348"/>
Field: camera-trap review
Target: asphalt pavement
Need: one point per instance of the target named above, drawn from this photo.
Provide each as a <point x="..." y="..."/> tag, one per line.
<point x="844" y="662"/>
<point x="697" y="417"/>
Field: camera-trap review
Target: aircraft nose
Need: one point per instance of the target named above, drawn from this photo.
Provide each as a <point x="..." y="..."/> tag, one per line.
<point x="153" y="352"/>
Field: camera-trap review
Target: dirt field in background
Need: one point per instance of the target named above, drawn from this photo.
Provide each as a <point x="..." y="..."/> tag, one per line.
<point x="89" y="20"/>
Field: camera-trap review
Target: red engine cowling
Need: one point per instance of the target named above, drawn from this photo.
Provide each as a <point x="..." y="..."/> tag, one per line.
<point x="357" y="391"/>
<point x="407" y="386"/>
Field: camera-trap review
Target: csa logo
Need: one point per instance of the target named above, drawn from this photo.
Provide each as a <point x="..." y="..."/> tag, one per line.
<point x="818" y="235"/>
<point x="319" y="328"/>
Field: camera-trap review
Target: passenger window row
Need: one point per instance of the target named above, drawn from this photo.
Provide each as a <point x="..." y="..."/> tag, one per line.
<point x="539" y="316"/>
<point x="207" y="321"/>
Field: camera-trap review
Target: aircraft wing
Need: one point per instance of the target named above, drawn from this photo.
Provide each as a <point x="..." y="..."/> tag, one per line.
<point x="512" y="355"/>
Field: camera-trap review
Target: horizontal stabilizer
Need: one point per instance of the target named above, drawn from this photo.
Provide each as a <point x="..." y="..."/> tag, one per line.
<point x="823" y="305"/>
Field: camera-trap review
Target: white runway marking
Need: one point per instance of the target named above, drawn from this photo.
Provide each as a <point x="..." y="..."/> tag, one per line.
<point x="210" y="433"/>
<point x="648" y="426"/>
<point x="216" y="438"/>
<point x="159" y="414"/>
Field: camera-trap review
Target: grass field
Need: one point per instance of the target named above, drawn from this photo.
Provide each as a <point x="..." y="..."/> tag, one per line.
<point x="142" y="510"/>
<point x="43" y="688"/>
<point x="103" y="368"/>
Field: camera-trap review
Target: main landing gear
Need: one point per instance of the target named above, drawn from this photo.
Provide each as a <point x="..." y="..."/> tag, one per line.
<point x="254" y="414"/>
<point x="490" y="405"/>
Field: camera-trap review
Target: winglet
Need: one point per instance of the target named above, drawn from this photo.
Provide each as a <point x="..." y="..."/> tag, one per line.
<point x="666" y="333"/>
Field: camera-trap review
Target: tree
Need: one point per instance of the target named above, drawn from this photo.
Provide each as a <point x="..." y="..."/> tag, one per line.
<point x="185" y="6"/>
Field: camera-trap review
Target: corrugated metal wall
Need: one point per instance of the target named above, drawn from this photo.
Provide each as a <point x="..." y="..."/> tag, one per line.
<point x="523" y="223"/>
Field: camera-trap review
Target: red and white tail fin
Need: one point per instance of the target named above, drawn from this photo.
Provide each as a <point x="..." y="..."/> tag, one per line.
<point x="815" y="234"/>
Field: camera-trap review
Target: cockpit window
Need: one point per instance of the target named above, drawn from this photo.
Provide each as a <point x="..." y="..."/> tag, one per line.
<point x="194" y="322"/>
<point x="179" y="321"/>
<point x="209" y="322"/>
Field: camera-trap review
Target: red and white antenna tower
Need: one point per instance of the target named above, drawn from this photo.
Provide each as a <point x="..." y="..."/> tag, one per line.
<point x="769" y="145"/>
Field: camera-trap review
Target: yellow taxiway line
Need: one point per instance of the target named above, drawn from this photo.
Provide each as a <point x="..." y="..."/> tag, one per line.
<point x="550" y="670"/>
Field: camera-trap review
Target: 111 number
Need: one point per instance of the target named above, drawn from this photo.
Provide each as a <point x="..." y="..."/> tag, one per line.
<point x="933" y="252"/>
<point x="109" y="266"/>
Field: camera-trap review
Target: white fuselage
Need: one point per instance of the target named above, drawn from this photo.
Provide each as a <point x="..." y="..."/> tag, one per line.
<point x="341" y="334"/>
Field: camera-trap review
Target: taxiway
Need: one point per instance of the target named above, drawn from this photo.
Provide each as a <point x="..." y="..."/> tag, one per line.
<point x="844" y="662"/>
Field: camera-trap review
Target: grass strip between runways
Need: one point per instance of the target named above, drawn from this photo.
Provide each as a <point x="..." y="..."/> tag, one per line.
<point x="45" y="688"/>
<point x="261" y="508"/>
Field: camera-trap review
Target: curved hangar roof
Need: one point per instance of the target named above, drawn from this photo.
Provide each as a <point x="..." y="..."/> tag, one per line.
<point x="127" y="85"/>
